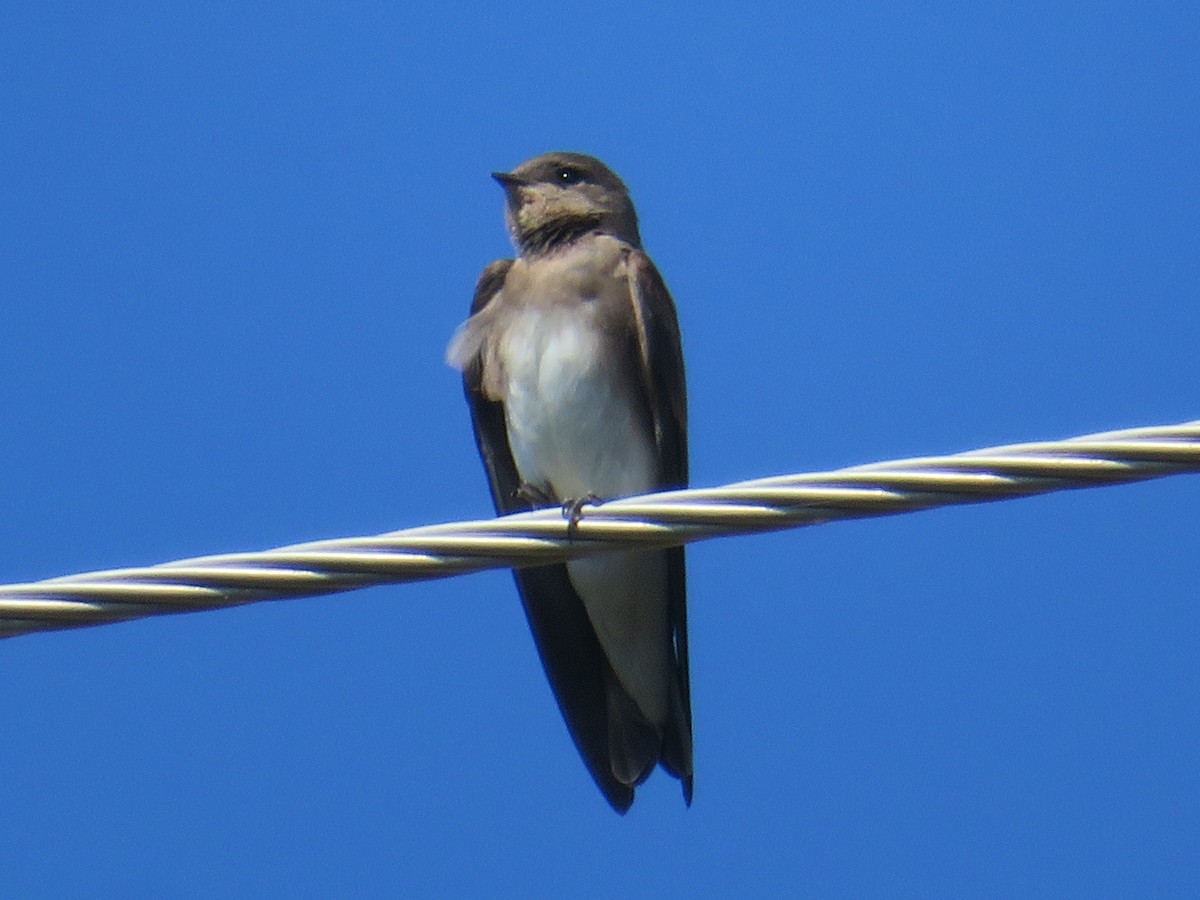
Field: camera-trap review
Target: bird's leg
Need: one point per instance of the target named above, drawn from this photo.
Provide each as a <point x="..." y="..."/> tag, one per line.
<point x="573" y="511"/>
<point x="534" y="495"/>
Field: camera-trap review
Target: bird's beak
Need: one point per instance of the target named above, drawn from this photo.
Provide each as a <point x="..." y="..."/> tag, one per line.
<point x="508" y="180"/>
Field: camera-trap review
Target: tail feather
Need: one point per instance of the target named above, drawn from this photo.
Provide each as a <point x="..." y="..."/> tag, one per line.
<point x="677" y="743"/>
<point x="634" y="745"/>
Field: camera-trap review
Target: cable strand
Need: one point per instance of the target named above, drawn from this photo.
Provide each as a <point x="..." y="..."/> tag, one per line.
<point x="653" y="520"/>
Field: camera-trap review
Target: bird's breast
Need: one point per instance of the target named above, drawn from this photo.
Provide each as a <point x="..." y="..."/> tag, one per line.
<point x="572" y="405"/>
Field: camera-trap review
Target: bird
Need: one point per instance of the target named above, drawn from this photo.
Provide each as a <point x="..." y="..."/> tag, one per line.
<point x="572" y="366"/>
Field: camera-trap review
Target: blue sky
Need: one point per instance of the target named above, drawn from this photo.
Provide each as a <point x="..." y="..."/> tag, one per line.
<point x="234" y="241"/>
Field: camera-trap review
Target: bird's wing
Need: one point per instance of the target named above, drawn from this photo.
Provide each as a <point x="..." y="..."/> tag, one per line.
<point x="660" y="357"/>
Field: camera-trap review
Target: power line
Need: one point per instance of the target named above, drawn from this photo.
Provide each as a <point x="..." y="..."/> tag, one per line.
<point x="652" y="520"/>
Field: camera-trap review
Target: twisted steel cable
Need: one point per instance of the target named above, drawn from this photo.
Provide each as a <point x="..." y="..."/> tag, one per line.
<point x="652" y="520"/>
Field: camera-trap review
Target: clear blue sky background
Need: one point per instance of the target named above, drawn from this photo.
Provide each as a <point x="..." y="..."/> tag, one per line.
<point x="234" y="241"/>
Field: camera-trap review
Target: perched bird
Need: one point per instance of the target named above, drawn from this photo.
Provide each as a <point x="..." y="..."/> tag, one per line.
<point x="573" y="371"/>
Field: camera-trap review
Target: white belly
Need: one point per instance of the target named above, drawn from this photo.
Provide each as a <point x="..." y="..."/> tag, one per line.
<point x="572" y="421"/>
<point x="574" y="431"/>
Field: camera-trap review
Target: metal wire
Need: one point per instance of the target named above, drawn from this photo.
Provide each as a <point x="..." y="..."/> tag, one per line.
<point x="664" y="519"/>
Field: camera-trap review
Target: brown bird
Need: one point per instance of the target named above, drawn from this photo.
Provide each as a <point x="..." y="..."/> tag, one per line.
<point x="573" y="370"/>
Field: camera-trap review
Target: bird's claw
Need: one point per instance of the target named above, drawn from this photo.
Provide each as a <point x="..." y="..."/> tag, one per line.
<point x="572" y="511"/>
<point x="533" y="495"/>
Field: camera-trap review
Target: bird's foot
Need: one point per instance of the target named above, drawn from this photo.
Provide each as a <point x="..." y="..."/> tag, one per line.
<point x="572" y="511"/>
<point x="535" y="496"/>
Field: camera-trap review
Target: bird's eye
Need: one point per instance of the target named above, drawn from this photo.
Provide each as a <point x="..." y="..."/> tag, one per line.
<point x="569" y="175"/>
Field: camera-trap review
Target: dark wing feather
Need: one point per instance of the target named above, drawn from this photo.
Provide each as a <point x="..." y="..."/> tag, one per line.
<point x="575" y="664"/>
<point x="660" y="352"/>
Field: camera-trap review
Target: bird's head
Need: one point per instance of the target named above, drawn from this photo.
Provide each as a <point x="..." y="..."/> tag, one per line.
<point x="557" y="197"/>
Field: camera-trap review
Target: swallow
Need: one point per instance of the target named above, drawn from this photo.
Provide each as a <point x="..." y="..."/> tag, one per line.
<point x="573" y="371"/>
